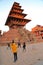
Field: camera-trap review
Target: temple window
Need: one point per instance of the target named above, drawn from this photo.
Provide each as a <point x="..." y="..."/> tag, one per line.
<point x="16" y="19"/>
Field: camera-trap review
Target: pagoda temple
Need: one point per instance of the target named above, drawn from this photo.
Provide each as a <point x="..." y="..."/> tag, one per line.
<point x="16" y="21"/>
<point x="16" y="17"/>
<point x="38" y="31"/>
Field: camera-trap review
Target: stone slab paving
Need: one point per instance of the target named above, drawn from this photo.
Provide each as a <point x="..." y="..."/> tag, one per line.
<point x="32" y="55"/>
<point x="39" y="63"/>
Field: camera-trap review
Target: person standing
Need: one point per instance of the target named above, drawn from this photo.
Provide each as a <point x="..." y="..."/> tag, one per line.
<point x="14" y="47"/>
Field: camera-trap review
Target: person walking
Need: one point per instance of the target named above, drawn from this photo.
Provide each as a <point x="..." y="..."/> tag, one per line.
<point x="19" y="45"/>
<point x="14" y="47"/>
<point x="24" y="46"/>
<point x="8" y="45"/>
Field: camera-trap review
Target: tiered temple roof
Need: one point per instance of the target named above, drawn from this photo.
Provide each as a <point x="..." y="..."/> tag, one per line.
<point x="16" y="17"/>
<point x="37" y="28"/>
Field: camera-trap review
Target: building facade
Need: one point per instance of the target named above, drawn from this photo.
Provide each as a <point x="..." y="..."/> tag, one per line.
<point x="38" y="31"/>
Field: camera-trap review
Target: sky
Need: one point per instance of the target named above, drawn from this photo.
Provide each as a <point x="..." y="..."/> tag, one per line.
<point x="34" y="9"/>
